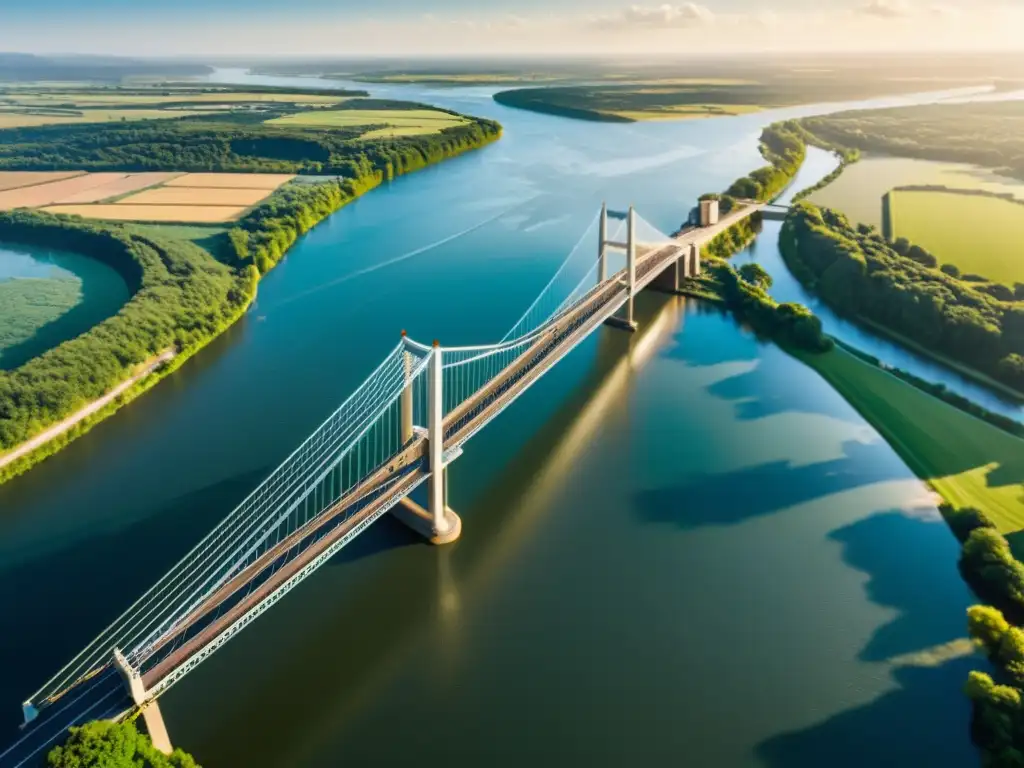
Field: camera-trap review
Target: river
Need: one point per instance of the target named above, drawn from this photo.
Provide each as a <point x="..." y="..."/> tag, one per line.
<point x="681" y="546"/>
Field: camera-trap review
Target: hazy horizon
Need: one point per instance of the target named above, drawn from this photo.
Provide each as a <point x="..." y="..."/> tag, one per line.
<point x="453" y="28"/>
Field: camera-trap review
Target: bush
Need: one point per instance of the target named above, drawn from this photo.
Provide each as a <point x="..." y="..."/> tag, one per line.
<point x="103" y="744"/>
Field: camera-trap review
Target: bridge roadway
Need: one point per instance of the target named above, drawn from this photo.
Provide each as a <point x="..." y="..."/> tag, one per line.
<point x="260" y="584"/>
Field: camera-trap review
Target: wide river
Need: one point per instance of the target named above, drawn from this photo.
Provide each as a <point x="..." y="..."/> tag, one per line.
<point x="680" y="548"/>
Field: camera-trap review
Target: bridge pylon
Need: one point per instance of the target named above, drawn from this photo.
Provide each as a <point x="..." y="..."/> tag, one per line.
<point x="627" y="323"/>
<point x="438" y="523"/>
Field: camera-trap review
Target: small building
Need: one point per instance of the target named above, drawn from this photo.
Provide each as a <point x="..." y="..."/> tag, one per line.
<point x="708" y="212"/>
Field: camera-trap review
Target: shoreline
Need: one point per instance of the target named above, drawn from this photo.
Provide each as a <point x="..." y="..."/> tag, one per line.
<point x="69" y="422"/>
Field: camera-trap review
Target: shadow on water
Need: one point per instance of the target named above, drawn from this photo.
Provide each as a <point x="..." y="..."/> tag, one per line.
<point x="706" y="499"/>
<point x="899" y="728"/>
<point x="898" y="552"/>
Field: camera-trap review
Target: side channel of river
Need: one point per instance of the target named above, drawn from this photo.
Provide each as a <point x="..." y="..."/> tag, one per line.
<point x="679" y="547"/>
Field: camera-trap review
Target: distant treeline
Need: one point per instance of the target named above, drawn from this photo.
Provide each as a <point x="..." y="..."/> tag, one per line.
<point x="782" y="145"/>
<point x="264" y="236"/>
<point x="988" y="134"/>
<point x="861" y="275"/>
<point x="24" y="67"/>
<point x="236" y="143"/>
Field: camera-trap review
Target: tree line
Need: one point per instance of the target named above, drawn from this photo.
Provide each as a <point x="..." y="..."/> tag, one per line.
<point x="239" y="142"/>
<point x="861" y="275"/>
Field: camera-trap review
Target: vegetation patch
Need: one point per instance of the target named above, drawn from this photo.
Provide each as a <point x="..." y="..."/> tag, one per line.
<point x="28" y="304"/>
<point x="987" y="134"/>
<point x="858" y="192"/>
<point x="860" y="275"/>
<point x="411" y="122"/>
<point x="979" y="234"/>
<point x="968" y="461"/>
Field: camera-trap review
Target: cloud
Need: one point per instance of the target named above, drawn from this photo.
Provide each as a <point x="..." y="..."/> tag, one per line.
<point x="885" y="9"/>
<point x="658" y="16"/>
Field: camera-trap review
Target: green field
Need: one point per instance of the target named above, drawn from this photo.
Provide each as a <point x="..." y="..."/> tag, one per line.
<point x="399" y="122"/>
<point x="969" y="462"/>
<point x="979" y="234"/>
<point x="28" y="120"/>
<point x="859" y="189"/>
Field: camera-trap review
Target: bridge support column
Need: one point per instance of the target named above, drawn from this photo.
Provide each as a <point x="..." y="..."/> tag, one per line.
<point x="602" y="269"/>
<point x="693" y="269"/>
<point x="438" y="523"/>
<point x="631" y="263"/>
<point x="407" y="404"/>
<point x="151" y="715"/>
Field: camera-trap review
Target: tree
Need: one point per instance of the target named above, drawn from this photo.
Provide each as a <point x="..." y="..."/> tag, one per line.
<point x="950" y="269"/>
<point x="756" y="275"/>
<point x="103" y="744"/>
<point x="987" y="626"/>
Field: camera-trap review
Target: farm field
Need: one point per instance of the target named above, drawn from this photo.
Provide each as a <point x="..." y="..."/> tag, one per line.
<point x="40" y="104"/>
<point x="12" y="119"/>
<point x="197" y="196"/>
<point x="17" y="179"/>
<point x="159" y="96"/>
<point x="400" y="122"/>
<point x="859" y="190"/>
<point x="208" y="214"/>
<point x="201" y="198"/>
<point x="231" y="180"/>
<point x="55" y="191"/>
<point x="689" y="112"/>
<point x="978" y="234"/>
<point x="969" y="462"/>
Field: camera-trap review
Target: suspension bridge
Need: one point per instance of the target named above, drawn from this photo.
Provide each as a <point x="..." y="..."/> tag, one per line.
<point x="400" y="429"/>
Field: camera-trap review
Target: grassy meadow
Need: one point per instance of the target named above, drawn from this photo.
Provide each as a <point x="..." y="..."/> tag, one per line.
<point x="859" y="190"/>
<point x="979" y="234"/>
<point x="969" y="462"/>
<point x="398" y="122"/>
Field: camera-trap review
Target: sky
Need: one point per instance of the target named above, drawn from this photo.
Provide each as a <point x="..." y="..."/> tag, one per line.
<point x="306" y="28"/>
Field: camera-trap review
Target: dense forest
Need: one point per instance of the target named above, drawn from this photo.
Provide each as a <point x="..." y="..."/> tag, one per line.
<point x="988" y="134"/>
<point x="860" y="274"/>
<point x="238" y="142"/>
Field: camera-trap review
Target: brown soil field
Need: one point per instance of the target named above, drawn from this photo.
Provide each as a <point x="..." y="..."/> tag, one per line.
<point x="18" y="179"/>
<point x="194" y="214"/>
<point x="268" y="181"/>
<point x="48" y="194"/>
<point x="118" y="187"/>
<point x="169" y="195"/>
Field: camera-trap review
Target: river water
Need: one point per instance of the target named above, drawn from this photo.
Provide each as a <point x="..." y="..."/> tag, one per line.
<point x="680" y="547"/>
<point x="65" y="293"/>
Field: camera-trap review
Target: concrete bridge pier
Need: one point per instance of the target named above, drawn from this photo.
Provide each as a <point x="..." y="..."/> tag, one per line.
<point x="151" y="715"/>
<point x="686" y="265"/>
<point x="627" y="323"/>
<point x="438" y="524"/>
